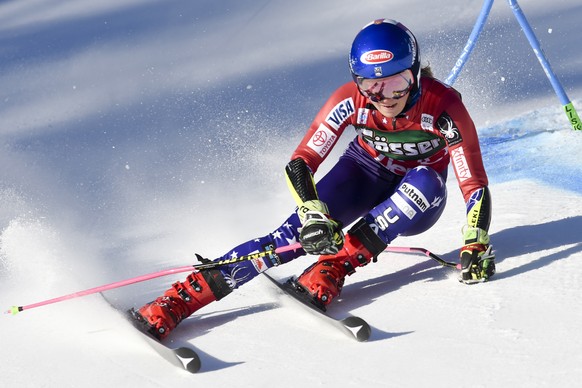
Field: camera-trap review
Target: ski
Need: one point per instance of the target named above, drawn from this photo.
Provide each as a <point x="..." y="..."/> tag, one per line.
<point x="354" y="327"/>
<point x="184" y="357"/>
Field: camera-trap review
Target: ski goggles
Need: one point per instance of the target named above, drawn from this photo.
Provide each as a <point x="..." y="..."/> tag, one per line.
<point x="394" y="87"/>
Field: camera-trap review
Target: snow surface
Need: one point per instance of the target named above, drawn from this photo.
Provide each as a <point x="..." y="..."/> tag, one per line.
<point x="137" y="133"/>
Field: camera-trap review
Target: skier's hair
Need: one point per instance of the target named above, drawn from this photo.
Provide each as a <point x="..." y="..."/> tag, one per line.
<point x="426" y="72"/>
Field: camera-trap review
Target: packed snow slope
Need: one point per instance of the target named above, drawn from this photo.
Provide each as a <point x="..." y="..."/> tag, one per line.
<point x="135" y="134"/>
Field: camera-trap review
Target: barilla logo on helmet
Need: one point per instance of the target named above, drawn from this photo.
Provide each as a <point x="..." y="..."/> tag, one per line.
<point x="375" y="57"/>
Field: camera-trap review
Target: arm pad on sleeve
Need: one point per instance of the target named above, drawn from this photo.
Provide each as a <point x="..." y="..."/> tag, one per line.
<point x="479" y="209"/>
<point x="300" y="181"/>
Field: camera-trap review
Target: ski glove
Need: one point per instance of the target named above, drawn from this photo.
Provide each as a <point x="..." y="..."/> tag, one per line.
<point x="320" y="234"/>
<point x="477" y="257"/>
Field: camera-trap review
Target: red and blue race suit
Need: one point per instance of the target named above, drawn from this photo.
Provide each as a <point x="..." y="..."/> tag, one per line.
<point x="435" y="131"/>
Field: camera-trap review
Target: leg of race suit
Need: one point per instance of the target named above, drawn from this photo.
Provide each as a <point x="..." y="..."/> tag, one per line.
<point x="237" y="274"/>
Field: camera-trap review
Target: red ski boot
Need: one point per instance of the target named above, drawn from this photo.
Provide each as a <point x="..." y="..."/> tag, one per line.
<point x="324" y="279"/>
<point x="162" y="315"/>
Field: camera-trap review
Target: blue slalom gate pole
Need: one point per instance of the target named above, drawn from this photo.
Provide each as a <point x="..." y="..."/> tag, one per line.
<point x="464" y="57"/>
<point x="535" y="45"/>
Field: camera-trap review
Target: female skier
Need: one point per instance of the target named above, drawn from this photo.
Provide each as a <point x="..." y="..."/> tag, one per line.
<point x="389" y="182"/>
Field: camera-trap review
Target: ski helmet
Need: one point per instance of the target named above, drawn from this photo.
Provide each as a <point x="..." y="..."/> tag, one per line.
<point x="383" y="48"/>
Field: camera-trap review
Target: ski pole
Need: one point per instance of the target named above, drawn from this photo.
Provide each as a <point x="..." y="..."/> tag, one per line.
<point x="189" y="268"/>
<point x="536" y="47"/>
<point x="425" y="252"/>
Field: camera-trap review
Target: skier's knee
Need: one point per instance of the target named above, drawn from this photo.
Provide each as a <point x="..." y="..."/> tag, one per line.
<point x="414" y="207"/>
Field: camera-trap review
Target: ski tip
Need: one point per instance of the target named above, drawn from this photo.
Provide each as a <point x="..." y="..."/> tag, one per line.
<point x="359" y="328"/>
<point x="189" y="359"/>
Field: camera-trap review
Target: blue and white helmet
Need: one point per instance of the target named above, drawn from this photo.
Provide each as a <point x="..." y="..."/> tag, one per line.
<point x="383" y="48"/>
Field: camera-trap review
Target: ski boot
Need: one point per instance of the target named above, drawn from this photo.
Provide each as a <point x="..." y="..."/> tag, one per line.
<point x="162" y="315"/>
<point x="324" y="280"/>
